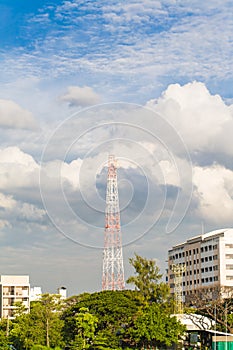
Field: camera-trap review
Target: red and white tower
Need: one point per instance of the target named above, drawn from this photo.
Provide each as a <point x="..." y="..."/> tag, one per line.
<point x="113" y="269"/>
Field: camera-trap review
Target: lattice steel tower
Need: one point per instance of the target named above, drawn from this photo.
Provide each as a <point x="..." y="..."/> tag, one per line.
<point x="113" y="269"/>
<point x="178" y="270"/>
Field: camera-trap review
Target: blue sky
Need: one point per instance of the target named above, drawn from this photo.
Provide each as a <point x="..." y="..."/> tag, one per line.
<point x="150" y="81"/>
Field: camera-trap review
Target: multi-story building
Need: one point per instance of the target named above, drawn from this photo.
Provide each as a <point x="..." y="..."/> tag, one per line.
<point x="13" y="289"/>
<point x="207" y="260"/>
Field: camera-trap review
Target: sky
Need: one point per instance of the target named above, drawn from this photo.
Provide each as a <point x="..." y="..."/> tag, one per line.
<point x="148" y="81"/>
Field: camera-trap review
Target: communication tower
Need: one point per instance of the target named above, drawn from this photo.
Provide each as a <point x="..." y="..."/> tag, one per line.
<point x="113" y="269"/>
<point x="178" y="270"/>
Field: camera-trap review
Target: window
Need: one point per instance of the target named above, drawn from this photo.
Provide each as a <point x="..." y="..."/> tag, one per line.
<point x="183" y="254"/>
<point x="202" y="249"/>
<point x="190" y="263"/>
<point x="183" y="283"/>
<point x="210" y="258"/>
<point x="215" y="257"/>
<point x="202" y="259"/>
<point x="194" y="262"/>
<point x="194" y="272"/>
<point x="229" y="256"/>
<point x="229" y="267"/>
<point x="211" y="279"/>
<point x="206" y="248"/>
<point x="197" y="250"/>
<point x="206" y="258"/>
<point x="229" y="278"/>
<point x="202" y="270"/>
<point x="191" y="283"/>
<point x="206" y="269"/>
<point x="210" y="268"/>
<point x="197" y="270"/>
<point x="215" y="278"/>
<point x="210" y="247"/>
<point x="190" y="272"/>
<point x="197" y="261"/>
<point x="195" y="282"/>
<point x="229" y="245"/>
<point x="187" y="253"/>
<point x="207" y="279"/>
<point x="215" y="246"/>
<point x="215" y="268"/>
<point x="176" y="256"/>
<point x="202" y="280"/>
<point x="190" y="252"/>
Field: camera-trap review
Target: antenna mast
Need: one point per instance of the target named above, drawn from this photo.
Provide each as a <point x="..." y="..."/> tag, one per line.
<point x="113" y="269"/>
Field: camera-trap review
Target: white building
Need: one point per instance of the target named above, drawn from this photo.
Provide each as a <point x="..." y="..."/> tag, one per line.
<point x="208" y="261"/>
<point x="35" y="293"/>
<point x="62" y="291"/>
<point x="13" y="289"/>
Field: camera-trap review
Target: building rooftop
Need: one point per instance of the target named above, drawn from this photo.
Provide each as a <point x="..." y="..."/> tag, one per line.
<point x="203" y="237"/>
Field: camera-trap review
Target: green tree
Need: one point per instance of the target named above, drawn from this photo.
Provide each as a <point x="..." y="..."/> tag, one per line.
<point x="114" y="311"/>
<point x="147" y="280"/>
<point x="42" y="326"/>
<point x="86" y="324"/>
<point x="154" y="327"/>
<point x="4" y="341"/>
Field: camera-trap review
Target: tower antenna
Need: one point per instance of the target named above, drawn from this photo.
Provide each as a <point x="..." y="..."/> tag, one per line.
<point x="113" y="269"/>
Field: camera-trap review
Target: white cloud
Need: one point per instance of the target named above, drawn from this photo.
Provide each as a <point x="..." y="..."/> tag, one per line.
<point x="14" y="116"/>
<point x="7" y="202"/>
<point x="31" y="212"/>
<point x="214" y="189"/>
<point x="17" y="169"/>
<point x="81" y="96"/>
<point x="201" y="119"/>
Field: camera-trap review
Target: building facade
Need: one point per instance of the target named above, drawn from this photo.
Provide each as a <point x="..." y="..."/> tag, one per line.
<point x="35" y="293"/>
<point x="207" y="260"/>
<point x="13" y="289"/>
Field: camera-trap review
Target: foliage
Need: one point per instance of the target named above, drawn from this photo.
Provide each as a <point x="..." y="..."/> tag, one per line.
<point x="86" y="324"/>
<point x="154" y="327"/>
<point x="4" y="342"/>
<point x="112" y="309"/>
<point x="148" y="280"/>
<point x="42" y="326"/>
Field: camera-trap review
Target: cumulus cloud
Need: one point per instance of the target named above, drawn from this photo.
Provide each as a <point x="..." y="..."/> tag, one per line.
<point x="214" y="190"/>
<point x="201" y="119"/>
<point x="81" y="96"/>
<point x="20" y="170"/>
<point x="14" y="116"/>
<point x="7" y="202"/>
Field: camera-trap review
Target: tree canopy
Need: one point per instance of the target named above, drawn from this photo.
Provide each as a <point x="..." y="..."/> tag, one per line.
<point x="102" y="320"/>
